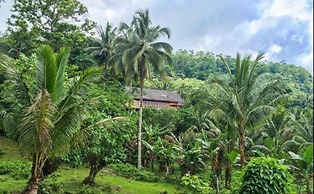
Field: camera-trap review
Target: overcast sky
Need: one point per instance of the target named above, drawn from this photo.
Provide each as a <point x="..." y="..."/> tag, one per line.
<point x="283" y="29"/>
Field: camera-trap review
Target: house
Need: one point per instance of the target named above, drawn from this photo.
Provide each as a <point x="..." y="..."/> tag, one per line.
<point x="158" y="99"/>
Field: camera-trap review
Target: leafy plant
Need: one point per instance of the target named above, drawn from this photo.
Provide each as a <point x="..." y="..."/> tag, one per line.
<point x="131" y="172"/>
<point x="303" y="165"/>
<point x="17" y="169"/>
<point x="195" y="184"/>
<point x="265" y="175"/>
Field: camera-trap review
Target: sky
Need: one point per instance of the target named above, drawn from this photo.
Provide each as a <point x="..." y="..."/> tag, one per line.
<point x="282" y="29"/>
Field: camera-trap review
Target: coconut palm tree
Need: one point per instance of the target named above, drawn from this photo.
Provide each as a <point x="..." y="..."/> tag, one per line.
<point x="244" y="99"/>
<point x="303" y="128"/>
<point x="102" y="47"/>
<point x="274" y="136"/>
<point x="51" y="110"/>
<point x="138" y="53"/>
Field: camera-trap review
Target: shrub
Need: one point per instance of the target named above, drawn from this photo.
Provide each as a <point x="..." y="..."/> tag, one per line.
<point x="17" y="169"/>
<point x="265" y="175"/>
<point x="131" y="172"/>
<point x="195" y="184"/>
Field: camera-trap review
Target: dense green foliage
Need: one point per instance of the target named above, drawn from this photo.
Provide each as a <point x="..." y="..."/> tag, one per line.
<point x="63" y="109"/>
<point x="265" y="175"/>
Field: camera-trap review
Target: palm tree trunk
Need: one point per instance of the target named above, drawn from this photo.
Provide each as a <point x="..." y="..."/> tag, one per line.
<point x="33" y="186"/>
<point x="241" y="134"/>
<point x="139" y="158"/>
<point x="242" y="147"/>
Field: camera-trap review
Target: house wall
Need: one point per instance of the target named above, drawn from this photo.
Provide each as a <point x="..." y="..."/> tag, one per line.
<point x="154" y="104"/>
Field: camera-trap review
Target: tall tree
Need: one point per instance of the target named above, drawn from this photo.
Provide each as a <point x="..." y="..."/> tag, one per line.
<point x="245" y="100"/>
<point x="140" y="54"/>
<point x="51" y="22"/>
<point x="50" y="113"/>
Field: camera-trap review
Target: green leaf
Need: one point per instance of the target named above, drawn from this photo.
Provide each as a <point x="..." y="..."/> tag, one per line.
<point x="308" y="156"/>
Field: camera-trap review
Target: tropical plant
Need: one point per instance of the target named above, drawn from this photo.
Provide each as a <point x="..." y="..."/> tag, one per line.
<point x="102" y="47"/>
<point x="303" y="166"/>
<point x="150" y="136"/>
<point x="303" y="128"/>
<point x="50" y="118"/>
<point x="202" y="120"/>
<point x="265" y="175"/>
<point x="244" y="101"/>
<point x="195" y="184"/>
<point x="274" y="137"/>
<point x="165" y="153"/>
<point x="138" y="53"/>
<point x="191" y="156"/>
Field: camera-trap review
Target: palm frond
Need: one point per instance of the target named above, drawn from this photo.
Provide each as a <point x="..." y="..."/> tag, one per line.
<point x="61" y="62"/>
<point x="36" y="126"/>
<point x="259" y="115"/>
<point x="85" y="76"/>
<point x="46" y="69"/>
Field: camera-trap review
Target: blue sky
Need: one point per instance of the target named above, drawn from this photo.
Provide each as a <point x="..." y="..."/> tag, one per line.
<point x="283" y="29"/>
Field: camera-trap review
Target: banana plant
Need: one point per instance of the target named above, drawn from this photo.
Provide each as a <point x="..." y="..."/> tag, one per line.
<point x="303" y="165"/>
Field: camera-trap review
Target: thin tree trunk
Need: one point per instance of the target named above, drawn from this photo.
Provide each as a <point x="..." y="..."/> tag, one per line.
<point x="242" y="145"/>
<point x="139" y="158"/>
<point x="307" y="179"/>
<point x="167" y="169"/>
<point x="228" y="176"/>
<point x="217" y="184"/>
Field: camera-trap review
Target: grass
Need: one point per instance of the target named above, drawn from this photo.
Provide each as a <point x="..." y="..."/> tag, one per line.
<point x="72" y="179"/>
<point x="69" y="180"/>
<point x="9" y="150"/>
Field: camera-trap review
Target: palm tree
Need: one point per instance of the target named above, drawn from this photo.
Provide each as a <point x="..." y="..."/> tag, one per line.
<point x="303" y="128"/>
<point x="275" y="135"/>
<point x="138" y="54"/>
<point x="102" y="47"/>
<point x="51" y="116"/>
<point x="244" y="100"/>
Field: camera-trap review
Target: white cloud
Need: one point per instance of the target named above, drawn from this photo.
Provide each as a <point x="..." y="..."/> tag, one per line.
<point x="296" y="9"/>
<point x="114" y="11"/>
<point x="275" y="48"/>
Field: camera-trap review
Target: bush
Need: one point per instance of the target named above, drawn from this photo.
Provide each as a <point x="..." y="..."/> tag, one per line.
<point x="195" y="184"/>
<point x="131" y="172"/>
<point x="265" y="175"/>
<point x="17" y="169"/>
